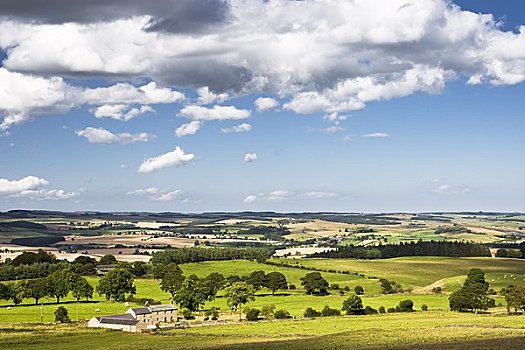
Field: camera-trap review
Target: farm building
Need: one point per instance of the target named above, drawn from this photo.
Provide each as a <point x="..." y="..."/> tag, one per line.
<point x="137" y="319"/>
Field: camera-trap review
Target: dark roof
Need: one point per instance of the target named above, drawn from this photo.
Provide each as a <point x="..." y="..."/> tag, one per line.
<point x="124" y="319"/>
<point x="141" y="310"/>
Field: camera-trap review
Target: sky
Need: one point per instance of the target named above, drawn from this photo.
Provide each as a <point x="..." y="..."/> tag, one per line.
<point x="251" y="105"/>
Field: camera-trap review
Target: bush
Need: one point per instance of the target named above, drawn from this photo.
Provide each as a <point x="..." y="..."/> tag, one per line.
<point x="327" y="311"/>
<point x="382" y="310"/>
<point x="391" y="310"/>
<point x="292" y="286"/>
<point x="424" y="307"/>
<point x="310" y="312"/>
<point x="252" y="314"/>
<point x="281" y="314"/>
<point x="61" y="315"/>
<point x="187" y="314"/>
<point x="436" y="290"/>
<point x="370" y="311"/>
<point x="359" y="290"/>
<point x="334" y="286"/>
<point x="267" y="311"/>
<point x="212" y="314"/>
<point x="353" y="306"/>
<point x="406" y="306"/>
<point x="346" y="288"/>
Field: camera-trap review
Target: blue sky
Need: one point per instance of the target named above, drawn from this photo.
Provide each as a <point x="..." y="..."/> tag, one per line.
<point x="449" y="145"/>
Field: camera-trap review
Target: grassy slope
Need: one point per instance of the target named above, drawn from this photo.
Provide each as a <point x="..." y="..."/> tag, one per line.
<point x="423" y="271"/>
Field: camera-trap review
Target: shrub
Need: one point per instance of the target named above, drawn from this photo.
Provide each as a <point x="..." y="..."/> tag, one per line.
<point x="391" y="310"/>
<point x="406" y="306"/>
<point x="281" y="314"/>
<point x="436" y="290"/>
<point x="267" y="311"/>
<point x="353" y="306"/>
<point x="341" y="292"/>
<point x="61" y="315"/>
<point x="346" y="288"/>
<point x="292" y="286"/>
<point x="327" y="311"/>
<point x="212" y="314"/>
<point x="187" y="314"/>
<point x="252" y="314"/>
<point x="359" y="290"/>
<point x="424" y="307"/>
<point x="310" y="312"/>
<point x="370" y="311"/>
<point x="382" y="310"/>
<point x="334" y="286"/>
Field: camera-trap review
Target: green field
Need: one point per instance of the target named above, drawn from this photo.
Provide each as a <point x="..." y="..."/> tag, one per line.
<point x="420" y="330"/>
<point x="424" y="271"/>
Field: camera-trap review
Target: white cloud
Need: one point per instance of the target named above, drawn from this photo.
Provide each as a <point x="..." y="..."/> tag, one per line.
<point x="348" y="138"/>
<point x="324" y="56"/>
<point x="100" y="135"/>
<point x="446" y="189"/>
<point x="24" y="96"/>
<point x="282" y="195"/>
<point x="250" y="199"/>
<point x="121" y="112"/>
<point x="335" y="118"/>
<point x="32" y="187"/>
<point x="206" y="96"/>
<point x="244" y="127"/>
<point x="177" y="157"/>
<point x="215" y="113"/>
<point x="376" y="135"/>
<point x="265" y="103"/>
<point x="188" y="129"/>
<point x="155" y="194"/>
<point x="250" y="157"/>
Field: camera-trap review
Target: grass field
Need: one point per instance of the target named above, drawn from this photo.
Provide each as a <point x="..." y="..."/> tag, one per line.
<point x="420" y="330"/>
<point x="424" y="271"/>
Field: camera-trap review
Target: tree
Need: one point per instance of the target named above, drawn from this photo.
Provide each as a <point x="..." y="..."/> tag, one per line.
<point x="311" y="312"/>
<point x="115" y="284"/>
<point x="212" y="284"/>
<point x="276" y="280"/>
<point x="257" y="279"/>
<point x="353" y="306"/>
<point x="5" y="293"/>
<point x="108" y="259"/>
<point x="81" y="289"/>
<point x="390" y="287"/>
<point x="35" y="289"/>
<point x="60" y="283"/>
<point x="359" y="290"/>
<point x="172" y="279"/>
<point x="192" y="294"/>
<point x="281" y="314"/>
<point x="515" y="298"/>
<point x="327" y="311"/>
<point x="473" y="295"/>
<point x="252" y="314"/>
<point x="239" y="294"/>
<point x="313" y="282"/>
<point x="61" y="315"/>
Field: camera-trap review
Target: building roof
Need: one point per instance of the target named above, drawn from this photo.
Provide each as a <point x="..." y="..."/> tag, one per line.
<point x="122" y="319"/>
<point x="165" y="307"/>
<point x="141" y="310"/>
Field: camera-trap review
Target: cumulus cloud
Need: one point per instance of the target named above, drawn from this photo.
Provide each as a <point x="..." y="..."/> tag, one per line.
<point x="32" y="187"/>
<point x="121" y="112"/>
<point x="23" y="96"/>
<point x="177" y="157"/>
<point x="244" y="127"/>
<point x="446" y="189"/>
<point x="265" y="103"/>
<point x="188" y="129"/>
<point x="250" y="157"/>
<point x="215" y="113"/>
<point x="156" y="194"/>
<point x="318" y="56"/>
<point x="206" y="96"/>
<point x="377" y="135"/>
<point x="101" y="135"/>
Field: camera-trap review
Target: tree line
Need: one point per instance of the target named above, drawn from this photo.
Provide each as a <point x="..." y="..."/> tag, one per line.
<point x="196" y="254"/>
<point x="420" y="248"/>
